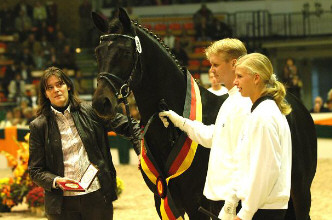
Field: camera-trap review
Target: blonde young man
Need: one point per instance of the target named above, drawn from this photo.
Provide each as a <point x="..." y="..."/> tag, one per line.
<point x="222" y="137"/>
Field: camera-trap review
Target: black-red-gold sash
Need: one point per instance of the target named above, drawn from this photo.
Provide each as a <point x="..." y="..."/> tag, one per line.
<point x="179" y="159"/>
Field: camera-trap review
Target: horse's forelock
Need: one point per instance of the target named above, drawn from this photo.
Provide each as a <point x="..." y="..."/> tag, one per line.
<point x="115" y="26"/>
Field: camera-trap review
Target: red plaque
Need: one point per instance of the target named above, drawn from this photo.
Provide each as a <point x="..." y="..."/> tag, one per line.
<point x="71" y="186"/>
<point x="84" y="183"/>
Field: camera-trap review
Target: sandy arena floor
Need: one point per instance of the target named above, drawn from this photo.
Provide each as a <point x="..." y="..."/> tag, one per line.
<point x="136" y="201"/>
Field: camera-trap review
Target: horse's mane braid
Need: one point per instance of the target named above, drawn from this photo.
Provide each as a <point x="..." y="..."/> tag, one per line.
<point x="155" y="36"/>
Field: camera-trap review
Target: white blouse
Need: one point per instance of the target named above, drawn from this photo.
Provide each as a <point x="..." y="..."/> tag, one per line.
<point x="263" y="157"/>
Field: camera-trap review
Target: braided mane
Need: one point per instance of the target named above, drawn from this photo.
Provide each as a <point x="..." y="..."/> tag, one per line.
<point x="160" y="41"/>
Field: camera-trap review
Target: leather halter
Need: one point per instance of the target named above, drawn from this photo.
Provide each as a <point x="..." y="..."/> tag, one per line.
<point x="124" y="90"/>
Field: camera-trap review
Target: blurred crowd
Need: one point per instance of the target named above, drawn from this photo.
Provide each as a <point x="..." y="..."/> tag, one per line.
<point x="320" y="105"/>
<point x="124" y="3"/>
<point x="33" y="40"/>
<point x="36" y="42"/>
<point x="293" y="84"/>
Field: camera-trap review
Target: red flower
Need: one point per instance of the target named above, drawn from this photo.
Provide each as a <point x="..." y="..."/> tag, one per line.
<point x="35" y="197"/>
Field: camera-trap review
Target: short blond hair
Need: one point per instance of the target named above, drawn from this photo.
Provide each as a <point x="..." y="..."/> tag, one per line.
<point x="231" y="48"/>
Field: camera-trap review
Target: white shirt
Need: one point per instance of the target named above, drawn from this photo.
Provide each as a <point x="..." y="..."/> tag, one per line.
<point x="264" y="158"/>
<point x="223" y="90"/>
<point x="222" y="139"/>
<point x="75" y="157"/>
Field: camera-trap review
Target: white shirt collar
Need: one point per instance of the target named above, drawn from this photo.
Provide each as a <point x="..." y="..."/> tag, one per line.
<point x="57" y="112"/>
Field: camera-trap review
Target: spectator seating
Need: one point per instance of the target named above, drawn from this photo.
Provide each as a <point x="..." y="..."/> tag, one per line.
<point x="160" y="29"/>
<point x="176" y="24"/>
<point x="176" y="28"/>
<point x="189" y="27"/>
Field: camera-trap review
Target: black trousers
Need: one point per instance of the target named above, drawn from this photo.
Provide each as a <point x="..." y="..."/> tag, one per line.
<point x="261" y="214"/>
<point x="84" y="207"/>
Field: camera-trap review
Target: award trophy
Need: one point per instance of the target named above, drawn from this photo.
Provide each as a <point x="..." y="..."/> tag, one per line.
<point x="88" y="176"/>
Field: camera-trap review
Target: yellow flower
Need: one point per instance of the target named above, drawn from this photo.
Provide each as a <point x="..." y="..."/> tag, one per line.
<point x="21" y="182"/>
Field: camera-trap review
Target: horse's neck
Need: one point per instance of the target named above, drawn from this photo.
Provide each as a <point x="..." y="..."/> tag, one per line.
<point x="161" y="79"/>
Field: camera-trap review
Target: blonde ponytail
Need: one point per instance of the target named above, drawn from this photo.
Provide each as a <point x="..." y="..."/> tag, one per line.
<point x="258" y="63"/>
<point x="278" y="92"/>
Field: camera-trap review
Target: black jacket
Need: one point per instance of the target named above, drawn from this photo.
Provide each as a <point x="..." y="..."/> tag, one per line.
<point x="46" y="158"/>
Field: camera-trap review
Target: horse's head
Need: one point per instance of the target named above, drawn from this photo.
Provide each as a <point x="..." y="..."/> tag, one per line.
<point x="117" y="57"/>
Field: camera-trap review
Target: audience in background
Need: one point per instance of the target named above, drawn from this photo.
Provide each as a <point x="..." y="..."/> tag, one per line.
<point x="86" y="24"/>
<point x="22" y="5"/>
<point x="16" y="89"/>
<point x="67" y="58"/>
<point x="42" y="43"/>
<point x="216" y="88"/>
<point x="203" y="22"/>
<point x="18" y="119"/>
<point x="329" y="105"/>
<point x="28" y="115"/>
<point x="7" y="18"/>
<point x="39" y="13"/>
<point x="3" y="97"/>
<point x="169" y="39"/>
<point x="318" y="106"/>
<point x="186" y="41"/>
<point x="8" y="121"/>
<point x="290" y="70"/>
<point x="23" y="24"/>
<point x="291" y="78"/>
<point x="180" y="54"/>
<point x="220" y="30"/>
<point x="329" y="101"/>
<point x="295" y="86"/>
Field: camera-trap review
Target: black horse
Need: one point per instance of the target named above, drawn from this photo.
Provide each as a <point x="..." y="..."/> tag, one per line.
<point x="132" y="56"/>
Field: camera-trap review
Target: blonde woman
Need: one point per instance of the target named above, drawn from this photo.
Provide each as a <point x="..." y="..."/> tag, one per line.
<point x="262" y="180"/>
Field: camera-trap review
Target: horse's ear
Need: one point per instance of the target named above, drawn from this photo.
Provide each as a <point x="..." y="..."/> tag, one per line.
<point x="100" y="22"/>
<point x="124" y="18"/>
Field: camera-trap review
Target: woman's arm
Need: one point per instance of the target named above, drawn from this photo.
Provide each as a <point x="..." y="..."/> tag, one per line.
<point x="37" y="159"/>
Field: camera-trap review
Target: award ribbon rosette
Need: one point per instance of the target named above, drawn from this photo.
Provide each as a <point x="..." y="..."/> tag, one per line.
<point x="88" y="176"/>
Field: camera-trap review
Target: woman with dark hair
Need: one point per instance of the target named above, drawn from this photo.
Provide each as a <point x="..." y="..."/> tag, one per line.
<point x="67" y="137"/>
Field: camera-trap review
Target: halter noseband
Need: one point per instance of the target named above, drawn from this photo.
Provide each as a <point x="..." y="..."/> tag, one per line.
<point x="124" y="91"/>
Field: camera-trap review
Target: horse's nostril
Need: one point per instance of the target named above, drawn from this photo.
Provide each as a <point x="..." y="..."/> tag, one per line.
<point x="107" y="103"/>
